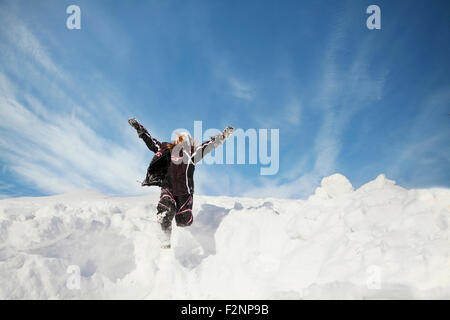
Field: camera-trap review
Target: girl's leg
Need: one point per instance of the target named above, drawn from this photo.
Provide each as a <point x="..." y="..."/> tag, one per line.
<point x="183" y="216"/>
<point x="166" y="211"/>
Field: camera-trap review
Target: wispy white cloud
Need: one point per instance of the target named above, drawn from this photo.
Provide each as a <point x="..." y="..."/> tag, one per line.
<point x="62" y="153"/>
<point x="241" y="90"/>
<point x="421" y="142"/>
<point x="342" y="92"/>
<point x="19" y="44"/>
<point x="51" y="143"/>
<point x="293" y="112"/>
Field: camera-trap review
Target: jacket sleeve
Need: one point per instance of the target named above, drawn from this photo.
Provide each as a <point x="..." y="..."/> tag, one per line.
<point x="153" y="144"/>
<point x="208" y="146"/>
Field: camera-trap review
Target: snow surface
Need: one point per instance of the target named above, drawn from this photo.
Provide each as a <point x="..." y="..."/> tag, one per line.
<point x="378" y="242"/>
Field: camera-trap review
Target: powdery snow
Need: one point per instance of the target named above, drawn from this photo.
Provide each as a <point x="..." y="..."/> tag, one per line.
<point x="379" y="242"/>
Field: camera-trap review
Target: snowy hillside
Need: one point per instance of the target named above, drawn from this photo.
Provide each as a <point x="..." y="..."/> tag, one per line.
<point x="380" y="241"/>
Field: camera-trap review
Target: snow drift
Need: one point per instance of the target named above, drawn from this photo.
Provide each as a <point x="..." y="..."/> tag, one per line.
<point x="380" y="241"/>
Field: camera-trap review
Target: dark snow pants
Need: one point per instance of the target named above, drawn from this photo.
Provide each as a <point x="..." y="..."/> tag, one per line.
<point x="170" y="206"/>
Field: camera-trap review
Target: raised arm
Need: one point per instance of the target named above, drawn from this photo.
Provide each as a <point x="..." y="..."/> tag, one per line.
<point x="208" y="146"/>
<point x="153" y="144"/>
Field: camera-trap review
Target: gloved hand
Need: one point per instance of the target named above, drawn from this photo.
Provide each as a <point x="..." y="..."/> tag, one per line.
<point x="139" y="128"/>
<point x="221" y="137"/>
<point x="228" y="131"/>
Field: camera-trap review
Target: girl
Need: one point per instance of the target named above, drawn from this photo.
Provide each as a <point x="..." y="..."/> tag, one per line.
<point x="172" y="169"/>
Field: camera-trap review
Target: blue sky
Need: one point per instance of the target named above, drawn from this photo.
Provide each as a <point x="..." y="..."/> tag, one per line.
<point x="346" y="99"/>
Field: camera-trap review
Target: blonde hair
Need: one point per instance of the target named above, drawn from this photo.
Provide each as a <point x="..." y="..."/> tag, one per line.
<point x="180" y="138"/>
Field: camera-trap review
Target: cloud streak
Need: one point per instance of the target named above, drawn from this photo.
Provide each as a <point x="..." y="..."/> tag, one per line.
<point x="56" y="149"/>
<point x="342" y="92"/>
<point x="241" y="90"/>
<point x="62" y="153"/>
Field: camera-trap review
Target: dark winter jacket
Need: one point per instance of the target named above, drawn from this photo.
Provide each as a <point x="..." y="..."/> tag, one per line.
<point x="175" y="170"/>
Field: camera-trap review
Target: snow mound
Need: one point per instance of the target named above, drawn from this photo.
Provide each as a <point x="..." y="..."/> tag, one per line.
<point x="332" y="187"/>
<point x="380" y="241"/>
